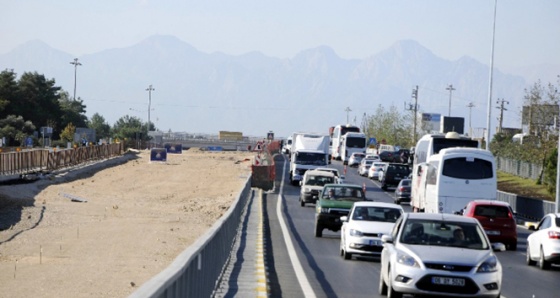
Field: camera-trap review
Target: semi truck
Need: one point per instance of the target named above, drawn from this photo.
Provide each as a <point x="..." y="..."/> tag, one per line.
<point x="309" y="151"/>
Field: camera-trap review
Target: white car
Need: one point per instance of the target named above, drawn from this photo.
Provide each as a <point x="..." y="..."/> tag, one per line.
<point x="374" y="157"/>
<point x="355" y="159"/>
<point x="364" y="167"/>
<point x="439" y="254"/>
<point x="363" y="227"/>
<point x="374" y="170"/>
<point x="339" y="178"/>
<point x="543" y="245"/>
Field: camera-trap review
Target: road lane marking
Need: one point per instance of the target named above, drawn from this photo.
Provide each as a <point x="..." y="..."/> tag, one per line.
<point x="301" y="277"/>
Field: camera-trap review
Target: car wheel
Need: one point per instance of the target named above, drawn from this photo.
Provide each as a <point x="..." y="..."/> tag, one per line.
<point x="302" y="202"/>
<point x="347" y="255"/>
<point x="512" y="246"/>
<point x="528" y="259"/>
<point x="543" y="264"/>
<point x="382" y="285"/>
<point x="397" y="201"/>
<point x="391" y="293"/>
<point x="318" y="230"/>
<point x="383" y="186"/>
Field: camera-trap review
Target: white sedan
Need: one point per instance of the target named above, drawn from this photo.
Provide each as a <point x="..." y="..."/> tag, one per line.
<point x="363" y="227"/>
<point x="439" y="254"/>
<point x="543" y="246"/>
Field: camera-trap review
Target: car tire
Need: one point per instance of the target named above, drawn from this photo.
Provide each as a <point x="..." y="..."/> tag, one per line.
<point x="391" y="293"/>
<point x="512" y="246"/>
<point x="383" y="186"/>
<point x="301" y="202"/>
<point x="382" y="285"/>
<point x="318" y="230"/>
<point x="528" y="259"/>
<point x="347" y="255"/>
<point x="397" y="201"/>
<point x="543" y="264"/>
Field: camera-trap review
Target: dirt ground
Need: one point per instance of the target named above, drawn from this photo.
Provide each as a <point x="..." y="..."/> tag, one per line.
<point x="104" y="229"/>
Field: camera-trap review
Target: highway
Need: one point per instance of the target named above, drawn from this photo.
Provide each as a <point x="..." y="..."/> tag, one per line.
<point x="326" y="274"/>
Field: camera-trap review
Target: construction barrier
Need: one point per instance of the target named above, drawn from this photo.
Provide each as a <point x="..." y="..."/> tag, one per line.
<point x="263" y="167"/>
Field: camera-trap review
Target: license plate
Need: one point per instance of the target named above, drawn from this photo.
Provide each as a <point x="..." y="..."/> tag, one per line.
<point x="448" y="281"/>
<point x="375" y="243"/>
<point x="493" y="233"/>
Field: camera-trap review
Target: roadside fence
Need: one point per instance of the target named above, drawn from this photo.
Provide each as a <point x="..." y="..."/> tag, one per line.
<point x="519" y="168"/>
<point x="46" y="160"/>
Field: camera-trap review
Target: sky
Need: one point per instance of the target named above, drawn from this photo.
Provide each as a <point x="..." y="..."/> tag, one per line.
<point x="527" y="31"/>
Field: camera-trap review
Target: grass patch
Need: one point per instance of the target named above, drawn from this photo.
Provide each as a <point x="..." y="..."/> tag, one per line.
<point x="523" y="187"/>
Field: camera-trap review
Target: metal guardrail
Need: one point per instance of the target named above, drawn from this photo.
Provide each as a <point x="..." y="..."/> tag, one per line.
<point x="529" y="208"/>
<point x="196" y="270"/>
<point x="519" y="168"/>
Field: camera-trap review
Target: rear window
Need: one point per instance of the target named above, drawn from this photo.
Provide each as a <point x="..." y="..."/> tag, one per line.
<point x="492" y="211"/>
<point x="467" y="168"/>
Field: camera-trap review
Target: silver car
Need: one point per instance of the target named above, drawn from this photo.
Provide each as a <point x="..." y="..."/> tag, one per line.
<point x="439" y="254"/>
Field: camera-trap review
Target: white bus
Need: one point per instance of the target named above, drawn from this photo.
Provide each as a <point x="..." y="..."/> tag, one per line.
<point x="427" y="146"/>
<point x="352" y="142"/>
<point x="455" y="176"/>
<point x="336" y="136"/>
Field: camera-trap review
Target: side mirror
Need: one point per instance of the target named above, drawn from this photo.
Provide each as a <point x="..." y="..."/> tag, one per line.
<point x="498" y="246"/>
<point x="386" y="239"/>
<point x="300" y="183"/>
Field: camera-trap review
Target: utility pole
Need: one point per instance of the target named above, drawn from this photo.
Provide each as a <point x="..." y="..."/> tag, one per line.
<point x="502" y="109"/>
<point x="470" y="106"/>
<point x="414" y="109"/>
<point x="76" y="64"/>
<point x="348" y="115"/>
<point x="149" y="89"/>
<point x="450" y="88"/>
<point x="489" y="108"/>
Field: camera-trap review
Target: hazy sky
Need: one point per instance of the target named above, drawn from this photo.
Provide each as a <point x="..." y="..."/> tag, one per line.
<point x="527" y="31"/>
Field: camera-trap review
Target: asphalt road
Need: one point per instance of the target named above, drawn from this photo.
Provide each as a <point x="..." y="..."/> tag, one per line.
<point x="326" y="274"/>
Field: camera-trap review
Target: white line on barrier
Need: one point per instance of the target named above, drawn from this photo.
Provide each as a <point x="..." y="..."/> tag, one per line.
<point x="301" y="277"/>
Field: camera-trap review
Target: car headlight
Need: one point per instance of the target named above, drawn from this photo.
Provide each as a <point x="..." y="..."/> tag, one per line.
<point x="490" y="265"/>
<point x="405" y="259"/>
<point x="306" y="189"/>
<point x="356" y="233"/>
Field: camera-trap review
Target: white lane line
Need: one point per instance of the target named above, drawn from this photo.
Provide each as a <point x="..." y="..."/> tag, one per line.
<point x="301" y="277"/>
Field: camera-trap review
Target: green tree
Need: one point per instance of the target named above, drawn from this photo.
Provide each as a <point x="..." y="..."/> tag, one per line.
<point x="102" y="128"/>
<point x="8" y="91"/>
<point x="73" y="111"/>
<point x="15" y="129"/>
<point x="391" y="126"/>
<point x="67" y="134"/>
<point x="128" y="127"/>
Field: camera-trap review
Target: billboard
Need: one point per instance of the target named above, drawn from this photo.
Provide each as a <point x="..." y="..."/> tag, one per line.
<point x="456" y="124"/>
<point x="431" y="121"/>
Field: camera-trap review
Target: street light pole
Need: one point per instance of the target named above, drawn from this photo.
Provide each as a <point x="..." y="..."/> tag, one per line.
<point x="76" y="64"/>
<point x="348" y="115"/>
<point x="470" y="106"/>
<point x="149" y="89"/>
<point x="489" y="110"/>
<point x="450" y="88"/>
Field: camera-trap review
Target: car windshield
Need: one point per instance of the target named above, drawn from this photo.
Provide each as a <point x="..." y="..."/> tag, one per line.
<point x="319" y="180"/>
<point x="344" y="194"/>
<point x="368" y="213"/>
<point x="442" y="233"/>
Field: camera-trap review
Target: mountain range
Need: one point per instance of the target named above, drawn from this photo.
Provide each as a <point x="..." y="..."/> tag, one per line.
<point x="201" y="92"/>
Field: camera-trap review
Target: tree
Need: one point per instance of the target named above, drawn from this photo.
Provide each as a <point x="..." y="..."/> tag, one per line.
<point x="67" y="135"/>
<point x="391" y="126"/>
<point x="73" y="111"/>
<point x="14" y="128"/>
<point x="102" y="128"/>
<point x="128" y="127"/>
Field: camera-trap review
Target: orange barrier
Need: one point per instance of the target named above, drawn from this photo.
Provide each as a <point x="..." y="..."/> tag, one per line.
<point x="263" y="168"/>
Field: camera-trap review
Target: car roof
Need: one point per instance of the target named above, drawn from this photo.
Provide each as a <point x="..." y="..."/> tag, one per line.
<point x="441" y="216"/>
<point x="490" y="202"/>
<point x="342" y="185"/>
<point x="320" y="173"/>
<point x="377" y="204"/>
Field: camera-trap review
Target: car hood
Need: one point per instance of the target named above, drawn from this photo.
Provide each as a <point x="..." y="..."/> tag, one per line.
<point x="371" y="226"/>
<point x="444" y="254"/>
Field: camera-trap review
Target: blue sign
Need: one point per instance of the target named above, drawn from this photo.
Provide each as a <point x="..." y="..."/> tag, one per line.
<point x="214" y="148"/>
<point x="29" y="142"/>
<point x="174" y="148"/>
<point x="158" y="154"/>
<point x="372" y="141"/>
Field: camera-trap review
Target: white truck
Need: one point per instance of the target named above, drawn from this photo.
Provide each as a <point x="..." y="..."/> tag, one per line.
<point x="309" y="151"/>
<point x="352" y="142"/>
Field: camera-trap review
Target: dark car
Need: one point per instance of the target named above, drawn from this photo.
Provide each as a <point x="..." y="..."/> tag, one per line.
<point x="402" y="192"/>
<point x="393" y="174"/>
<point x="498" y="220"/>
<point x="387" y="156"/>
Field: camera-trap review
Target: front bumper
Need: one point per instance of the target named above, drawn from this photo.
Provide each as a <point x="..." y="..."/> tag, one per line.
<point x="364" y="245"/>
<point x="420" y="281"/>
<point x="331" y="220"/>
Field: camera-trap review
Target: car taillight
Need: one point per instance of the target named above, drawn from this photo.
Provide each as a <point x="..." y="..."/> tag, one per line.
<point x="553" y="235"/>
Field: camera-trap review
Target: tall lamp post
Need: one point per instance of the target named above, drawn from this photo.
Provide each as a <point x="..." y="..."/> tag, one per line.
<point x="149" y="89"/>
<point x="489" y="111"/>
<point x="450" y="88"/>
<point x="348" y="115"/>
<point x="76" y="64"/>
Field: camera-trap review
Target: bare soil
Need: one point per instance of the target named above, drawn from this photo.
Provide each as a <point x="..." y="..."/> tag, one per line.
<point x="104" y="229"/>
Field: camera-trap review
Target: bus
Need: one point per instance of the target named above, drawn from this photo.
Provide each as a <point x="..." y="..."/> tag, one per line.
<point x="336" y="133"/>
<point x="456" y="176"/>
<point x="427" y="146"/>
<point x="352" y="142"/>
